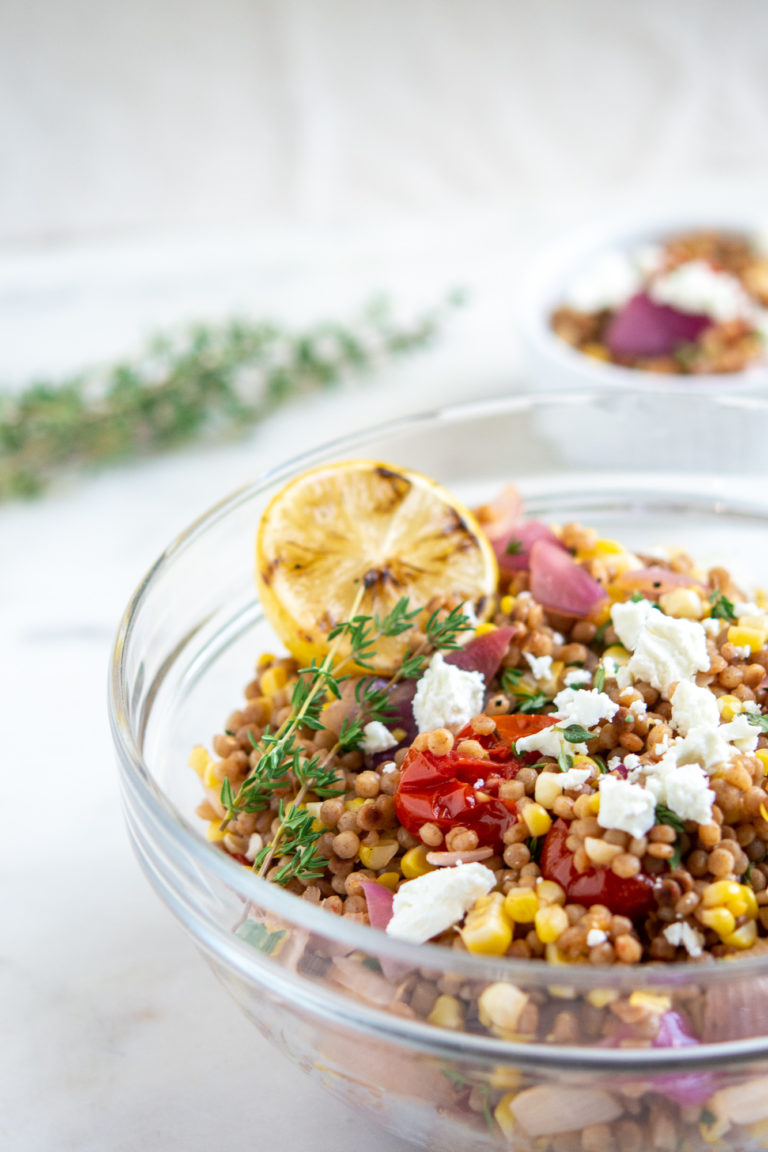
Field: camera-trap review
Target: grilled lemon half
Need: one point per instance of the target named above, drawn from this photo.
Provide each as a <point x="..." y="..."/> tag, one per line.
<point x="353" y="538"/>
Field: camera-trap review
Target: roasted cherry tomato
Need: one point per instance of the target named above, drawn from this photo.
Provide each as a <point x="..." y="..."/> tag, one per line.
<point x="455" y="790"/>
<point x="632" y="897"/>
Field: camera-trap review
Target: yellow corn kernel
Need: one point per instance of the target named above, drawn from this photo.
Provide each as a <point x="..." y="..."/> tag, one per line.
<point x="504" y="1076"/>
<point x="500" y="1006"/>
<point x="720" y="919"/>
<point x="550" y="923"/>
<point x="486" y="929"/>
<point x="388" y="880"/>
<point x="355" y="804"/>
<point x="602" y="615"/>
<point x="378" y="855"/>
<point x="210" y="779"/>
<point x="448" y="1012"/>
<point x="743" y="937"/>
<point x="199" y="759"/>
<point x="762" y="755"/>
<point x="506" y="604"/>
<point x="537" y="819"/>
<point x="764" y="812"/>
<point x="273" y="680"/>
<point x="213" y="832"/>
<point x="650" y="1002"/>
<point x="739" y="899"/>
<point x="521" y="905"/>
<point x="742" y="637"/>
<point x="593" y="806"/>
<point x="504" y="1115"/>
<point x="549" y="892"/>
<point x="602" y="997"/>
<point x="729" y="707"/>
<point x="484" y="629"/>
<point x="582" y="761"/>
<point x="595" y="351"/>
<point x="548" y="788"/>
<point x="414" y="862"/>
<point x="683" y="603"/>
<point x="618" y="653"/>
<point x="398" y="734"/>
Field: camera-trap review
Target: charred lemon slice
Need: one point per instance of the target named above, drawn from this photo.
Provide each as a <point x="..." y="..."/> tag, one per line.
<point x="355" y="537"/>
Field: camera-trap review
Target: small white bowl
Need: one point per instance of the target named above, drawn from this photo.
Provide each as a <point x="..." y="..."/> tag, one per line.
<point x="554" y="364"/>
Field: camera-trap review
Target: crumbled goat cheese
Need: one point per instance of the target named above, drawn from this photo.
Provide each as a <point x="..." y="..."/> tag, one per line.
<point x="429" y="904"/>
<point x="638" y="708"/>
<point x="712" y="626"/>
<point x="596" y="936"/>
<point x="609" y="281"/>
<point x="687" y="793"/>
<point x="585" y="706"/>
<point x="611" y="667"/>
<point x="549" y="742"/>
<point x="540" y="666"/>
<point x="693" y="706"/>
<point x="746" y="608"/>
<point x="740" y="732"/>
<point x="696" y="287"/>
<point x="576" y="676"/>
<point x="626" y="806"/>
<point x="377" y="738"/>
<point x="630" y="760"/>
<point x="447" y="696"/>
<point x="573" y="778"/>
<point x="742" y="651"/>
<point x="681" y="933"/>
<point x="664" y="649"/>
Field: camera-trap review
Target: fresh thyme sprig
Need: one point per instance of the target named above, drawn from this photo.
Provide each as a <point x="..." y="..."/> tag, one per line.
<point x="211" y="383"/>
<point x="282" y="761"/>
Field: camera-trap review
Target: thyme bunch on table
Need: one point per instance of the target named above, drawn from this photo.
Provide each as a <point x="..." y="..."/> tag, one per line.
<point x="212" y="382"/>
<point x="282" y="759"/>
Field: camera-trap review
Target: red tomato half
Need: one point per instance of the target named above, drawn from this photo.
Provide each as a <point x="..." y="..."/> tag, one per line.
<point x="455" y="790"/>
<point x="632" y="897"/>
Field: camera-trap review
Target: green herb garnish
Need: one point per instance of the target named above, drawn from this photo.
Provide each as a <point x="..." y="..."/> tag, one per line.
<point x="722" y="608"/>
<point x="758" y="720"/>
<point x="598" y="682"/>
<point x="514" y="548"/>
<point x="577" y="734"/>
<point x="259" y="935"/>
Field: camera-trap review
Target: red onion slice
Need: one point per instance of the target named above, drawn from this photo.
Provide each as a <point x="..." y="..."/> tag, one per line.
<point x="644" y="328"/>
<point x="483" y="654"/>
<point x="560" y="584"/>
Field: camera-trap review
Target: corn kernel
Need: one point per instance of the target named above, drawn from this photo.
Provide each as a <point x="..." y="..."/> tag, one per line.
<point x="602" y="997"/>
<point x="504" y="1115"/>
<point x="537" y="819"/>
<point x="500" y="1007"/>
<point x="447" y="1013"/>
<point x="553" y="955"/>
<point x="213" y="832"/>
<point x="486" y="929"/>
<point x="729" y="707"/>
<point x="210" y="779"/>
<point x="521" y="905"/>
<point x="595" y="351"/>
<point x="683" y="603"/>
<point x="506" y="604"/>
<point x="593" y="805"/>
<point x="650" y="1002"/>
<point x="273" y="680"/>
<point x="355" y="804"/>
<point x="378" y="855"/>
<point x="752" y="638"/>
<point x="743" y="937"/>
<point x="504" y="1076"/>
<point x="764" y="812"/>
<point x="762" y="755"/>
<point x="739" y="899"/>
<point x="548" y="788"/>
<point x="484" y="629"/>
<point x="550" y="922"/>
<point x="199" y="759"/>
<point x="549" y="892"/>
<point x="617" y="653"/>
<point x="414" y="862"/>
<point x="389" y="880"/>
<point x="720" y="919"/>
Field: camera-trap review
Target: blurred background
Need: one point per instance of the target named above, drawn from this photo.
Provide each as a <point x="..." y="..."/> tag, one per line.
<point x="163" y="162"/>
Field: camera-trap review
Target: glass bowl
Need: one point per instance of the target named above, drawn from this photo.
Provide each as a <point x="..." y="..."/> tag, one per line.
<point x="559" y="263"/>
<point x="338" y="996"/>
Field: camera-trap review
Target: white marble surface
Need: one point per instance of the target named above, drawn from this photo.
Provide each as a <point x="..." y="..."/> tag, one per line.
<point x="116" y="1038"/>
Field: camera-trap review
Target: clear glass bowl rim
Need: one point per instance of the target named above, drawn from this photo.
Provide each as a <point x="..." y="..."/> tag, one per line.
<point x="304" y="915"/>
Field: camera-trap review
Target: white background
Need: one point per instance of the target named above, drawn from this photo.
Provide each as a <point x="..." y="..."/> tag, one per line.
<point x="167" y="160"/>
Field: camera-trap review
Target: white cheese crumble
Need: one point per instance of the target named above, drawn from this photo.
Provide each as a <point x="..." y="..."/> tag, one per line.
<point x="696" y="287"/>
<point x="549" y="742"/>
<point x="742" y="651"/>
<point x="638" y="708"/>
<point x="681" y="933"/>
<point x="664" y="649"/>
<point x="687" y="793"/>
<point x="377" y="738"/>
<point x="574" y="677"/>
<point x="693" y="706"/>
<point x="625" y="806"/>
<point x="540" y="666"/>
<point x="447" y="696"/>
<point x="573" y="777"/>
<point x="609" y="281"/>
<point x="740" y="732"/>
<point x="585" y="706"/>
<point x="596" y="936"/>
<point x="429" y="904"/>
